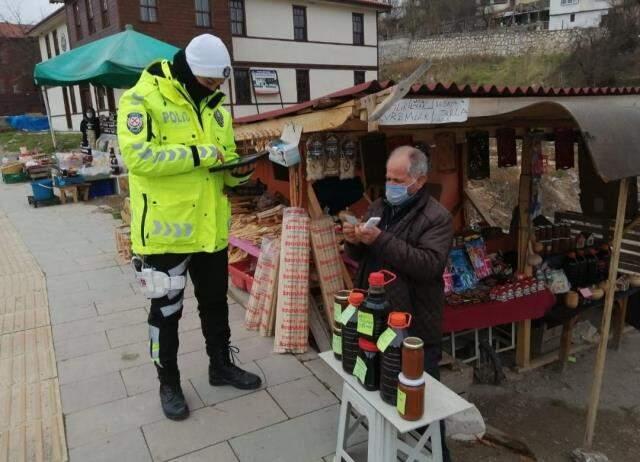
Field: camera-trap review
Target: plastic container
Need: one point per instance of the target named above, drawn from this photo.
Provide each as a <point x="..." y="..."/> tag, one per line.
<point x="241" y="274"/>
<point x="101" y="188"/>
<point x="350" y="347"/>
<point x="42" y="189"/>
<point x="412" y="358"/>
<point x="410" y="403"/>
<point x="391" y="364"/>
<point x="370" y="356"/>
<point x="372" y="315"/>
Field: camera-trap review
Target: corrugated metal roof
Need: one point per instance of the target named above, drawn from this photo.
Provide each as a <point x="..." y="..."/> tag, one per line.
<point x="438" y="89"/>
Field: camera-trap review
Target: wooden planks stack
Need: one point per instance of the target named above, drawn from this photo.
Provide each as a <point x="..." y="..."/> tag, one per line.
<point x="327" y="260"/>
<point x="261" y="305"/>
<point x="292" y="309"/>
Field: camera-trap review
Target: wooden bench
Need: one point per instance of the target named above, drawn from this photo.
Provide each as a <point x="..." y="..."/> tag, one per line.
<point x="602" y="229"/>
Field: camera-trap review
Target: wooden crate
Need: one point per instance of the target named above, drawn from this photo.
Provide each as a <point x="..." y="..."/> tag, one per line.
<point x="122" y="235"/>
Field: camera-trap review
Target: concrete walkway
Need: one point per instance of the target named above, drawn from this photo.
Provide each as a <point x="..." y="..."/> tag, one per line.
<point x="107" y="381"/>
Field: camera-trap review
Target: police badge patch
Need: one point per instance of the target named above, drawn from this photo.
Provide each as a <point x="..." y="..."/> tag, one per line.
<point x="135" y="122"/>
<point x="219" y="117"/>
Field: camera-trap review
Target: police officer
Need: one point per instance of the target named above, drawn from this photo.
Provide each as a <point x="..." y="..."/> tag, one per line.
<point x="172" y="129"/>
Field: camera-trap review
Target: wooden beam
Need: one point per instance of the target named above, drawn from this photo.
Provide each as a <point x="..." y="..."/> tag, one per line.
<point x="601" y="355"/>
<point x="523" y="347"/>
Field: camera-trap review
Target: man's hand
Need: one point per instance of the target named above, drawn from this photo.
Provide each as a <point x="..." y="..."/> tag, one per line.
<point x="367" y="235"/>
<point x="349" y="231"/>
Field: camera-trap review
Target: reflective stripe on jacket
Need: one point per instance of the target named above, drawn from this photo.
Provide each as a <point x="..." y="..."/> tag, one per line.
<point x="168" y="146"/>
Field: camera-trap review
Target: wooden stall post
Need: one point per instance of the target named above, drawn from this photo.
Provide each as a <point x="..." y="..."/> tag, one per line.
<point x="601" y="355"/>
<point x="523" y="348"/>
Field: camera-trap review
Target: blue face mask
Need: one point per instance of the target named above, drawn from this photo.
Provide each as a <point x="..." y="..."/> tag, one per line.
<point x="398" y="194"/>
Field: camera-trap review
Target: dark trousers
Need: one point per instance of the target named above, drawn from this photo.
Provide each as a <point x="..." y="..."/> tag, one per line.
<point x="209" y="275"/>
<point x="432" y="356"/>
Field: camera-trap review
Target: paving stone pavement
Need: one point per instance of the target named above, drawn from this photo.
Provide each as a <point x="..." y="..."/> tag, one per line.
<point x="107" y="383"/>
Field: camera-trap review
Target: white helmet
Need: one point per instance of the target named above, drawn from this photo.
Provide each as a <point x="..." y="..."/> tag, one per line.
<point x="208" y="56"/>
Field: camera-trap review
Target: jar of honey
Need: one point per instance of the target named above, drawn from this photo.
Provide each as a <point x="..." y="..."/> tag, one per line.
<point x="413" y="358"/>
<point x="340" y="303"/>
<point x="410" y="403"/>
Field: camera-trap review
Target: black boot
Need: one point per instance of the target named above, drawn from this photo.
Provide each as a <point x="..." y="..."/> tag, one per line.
<point x="223" y="371"/>
<point x="173" y="403"/>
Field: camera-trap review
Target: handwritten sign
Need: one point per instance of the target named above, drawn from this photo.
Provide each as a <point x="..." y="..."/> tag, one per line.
<point x="426" y="111"/>
<point x="365" y="323"/>
<point x="385" y="339"/>
<point x="360" y="369"/>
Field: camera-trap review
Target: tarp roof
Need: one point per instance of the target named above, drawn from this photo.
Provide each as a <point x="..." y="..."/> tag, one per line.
<point x="607" y="117"/>
<point x="115" y="61"/>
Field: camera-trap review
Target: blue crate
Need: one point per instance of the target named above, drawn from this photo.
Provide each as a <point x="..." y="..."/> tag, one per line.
<point x="101" y="188"/>
<point x="42" y="189"/>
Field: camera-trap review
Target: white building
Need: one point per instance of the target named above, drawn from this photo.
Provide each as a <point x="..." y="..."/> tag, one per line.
<point x="284" y="52"/>
<point x="312" y="48"/>
<point x="68" y="103"/>
<point x="568" y="14"/>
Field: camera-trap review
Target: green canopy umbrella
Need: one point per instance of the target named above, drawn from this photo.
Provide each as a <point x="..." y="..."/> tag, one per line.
<point x="115" y="61"/>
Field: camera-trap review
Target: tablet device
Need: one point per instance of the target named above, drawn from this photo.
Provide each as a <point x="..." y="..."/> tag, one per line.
<point x="240" y="162"/>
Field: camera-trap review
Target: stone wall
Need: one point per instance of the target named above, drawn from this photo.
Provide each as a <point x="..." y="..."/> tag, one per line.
<point x="486" y="43"/>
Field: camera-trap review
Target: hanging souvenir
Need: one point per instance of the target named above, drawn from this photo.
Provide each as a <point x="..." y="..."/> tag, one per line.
<point x="506" y="140"/>
<point x="444" y="154"/>
<point x="332" y="156"/>
<point x="565" y="157"/>
<point x="348" y="156"/>
<point x="315" y="158"/>
<point x="478" y="159"/>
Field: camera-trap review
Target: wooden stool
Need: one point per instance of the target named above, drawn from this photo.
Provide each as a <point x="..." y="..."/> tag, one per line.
<point x="83" y="191"/>
<point x="68" y="191"/>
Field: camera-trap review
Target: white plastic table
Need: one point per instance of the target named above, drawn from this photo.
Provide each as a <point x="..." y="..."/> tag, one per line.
<point x="387" y="429"/>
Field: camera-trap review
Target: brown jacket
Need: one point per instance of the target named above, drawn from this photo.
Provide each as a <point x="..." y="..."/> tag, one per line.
<point x="415" y="247"/>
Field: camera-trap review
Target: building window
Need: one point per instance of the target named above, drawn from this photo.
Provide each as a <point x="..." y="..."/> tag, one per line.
<point x="242" y="80"/>
<point x="101" y="95"/>
<point x="104" y="7"/>
<point x="568" y="2"/>
<point x="72" y="97"/>
<point x="358" y="28"/>
<point x="90" y="16"/>
<point x="300" y="23"/>
<point x="203" y="13"/>
<point x="76" y="20"/>
<point x="302" y="85"/>
<point x="56" y="47"/>
<point x="358" y="77"/>
<point x="238" y="26"/>
<point x="67" y="113"/>
<point x="572" y="18"/>
<point x="149" y="10"/>
<point x="48" y="46"/>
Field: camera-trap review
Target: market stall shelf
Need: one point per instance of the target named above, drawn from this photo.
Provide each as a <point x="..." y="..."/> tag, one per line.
<point x="386" y="427"/>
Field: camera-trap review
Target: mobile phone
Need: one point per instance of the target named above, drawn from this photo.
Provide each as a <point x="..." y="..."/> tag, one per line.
<point x="372" y="222"/>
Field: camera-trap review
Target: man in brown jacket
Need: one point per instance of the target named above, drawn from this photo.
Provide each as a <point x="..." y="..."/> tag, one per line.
<point x="412" y="240"/>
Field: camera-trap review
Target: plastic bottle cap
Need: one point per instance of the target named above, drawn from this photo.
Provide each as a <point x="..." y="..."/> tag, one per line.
<point x="367" y="345"/>
<point x="356" y="298"/>
<point x="376" y="279"/>
<point x="398" y="320"/>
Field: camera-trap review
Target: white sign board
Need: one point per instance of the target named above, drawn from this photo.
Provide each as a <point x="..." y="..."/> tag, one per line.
<point x="426" y="111"/>
<point x="265" y="81"/>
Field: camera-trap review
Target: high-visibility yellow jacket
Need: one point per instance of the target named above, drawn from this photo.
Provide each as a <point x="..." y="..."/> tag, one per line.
<point x="168" y="145"/>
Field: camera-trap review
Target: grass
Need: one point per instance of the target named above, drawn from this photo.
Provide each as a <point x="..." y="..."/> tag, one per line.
<point x="524" y="70"/>
<point x="10" y="141"/>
